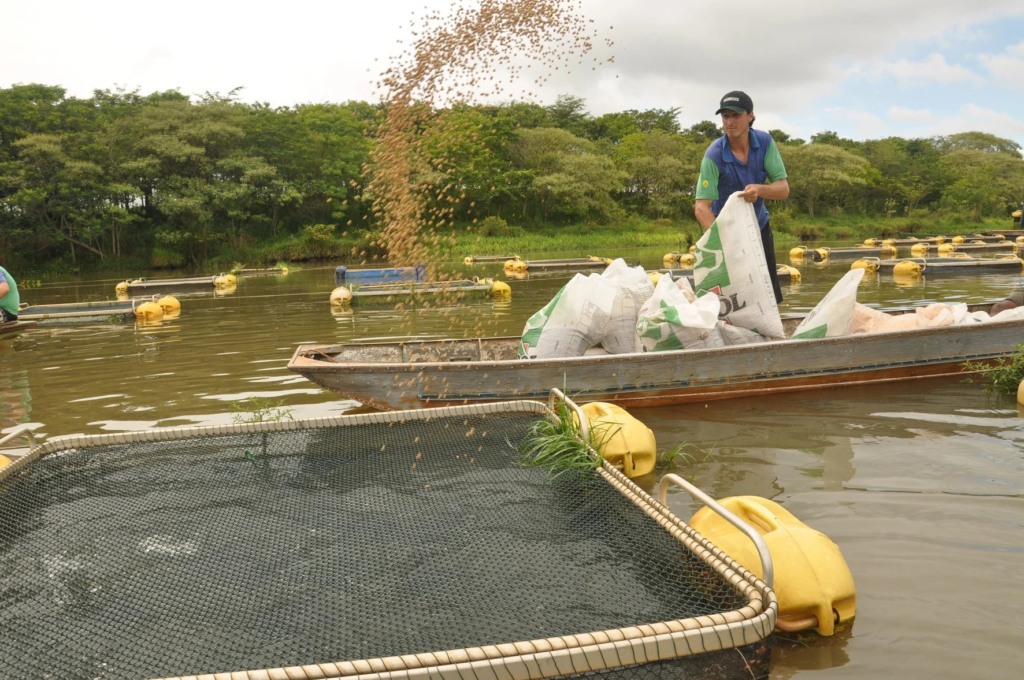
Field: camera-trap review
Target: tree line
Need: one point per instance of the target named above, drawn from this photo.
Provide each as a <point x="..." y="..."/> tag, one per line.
<point x="170" y="180"/>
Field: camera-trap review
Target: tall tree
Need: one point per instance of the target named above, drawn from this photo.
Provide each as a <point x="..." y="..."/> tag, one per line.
<point x="820" y="170"/>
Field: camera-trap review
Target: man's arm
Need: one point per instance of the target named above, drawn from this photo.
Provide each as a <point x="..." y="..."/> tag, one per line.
<point x="702" y="211"/>
<point x="776" y="191"/>
<point x="5" y="288"/>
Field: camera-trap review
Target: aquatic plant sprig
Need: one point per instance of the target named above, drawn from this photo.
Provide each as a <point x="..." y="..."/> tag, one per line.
<point x="1003" y="376"/>
<point x="559" y="445"/>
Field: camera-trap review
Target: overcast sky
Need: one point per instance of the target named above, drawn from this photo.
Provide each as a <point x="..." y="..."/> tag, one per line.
<point x="866" y="69"/>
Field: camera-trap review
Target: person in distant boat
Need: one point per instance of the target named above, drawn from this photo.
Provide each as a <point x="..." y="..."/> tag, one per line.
<point x="9" y="299"/>
<point x="745" y="160"/>
<point x="1011" y="301"/>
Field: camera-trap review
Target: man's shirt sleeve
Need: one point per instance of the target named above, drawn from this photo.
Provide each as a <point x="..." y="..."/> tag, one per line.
<point x="773" y="163"/>
<point x="707" y="183"/>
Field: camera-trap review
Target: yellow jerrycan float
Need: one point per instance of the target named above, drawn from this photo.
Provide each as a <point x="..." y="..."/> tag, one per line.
<point x="621" y="439"/>
<point x="812" y="580"/>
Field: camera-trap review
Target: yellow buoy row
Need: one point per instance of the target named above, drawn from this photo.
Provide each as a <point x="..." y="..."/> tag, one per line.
<point x="516" y="265"/>
<point x="154" y="310"/>
<point x="802" y="253"/>
<point x="342" y="295"/>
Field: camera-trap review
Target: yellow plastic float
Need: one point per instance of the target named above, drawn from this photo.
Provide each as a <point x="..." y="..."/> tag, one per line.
<point x="871" y="242"/>
<point x="621" y="439"/>
<point x="516" y="265"/>
<point x="4" y="461"/>
<point x="224" y="281"/>
<point x="868" y="264"/>
<point x="794" y="274"/>
<point x="121" y="288"/>
<point x="907" y="268"/>
<point x="811" y="579"/>
<point x="500" y="289"/>
<point x="149" y="311"/>
<point x="341" y="296"/>
<point x="958" y="239"/>
<point x="654" y="277"/>
<point x="169" y="304"/>
<point x="946" y="248"/>
<point x="920" y="249"/>
<point x="802" y="253"/>
<point x="669" y="259"/>
<point x="687" y="259"/>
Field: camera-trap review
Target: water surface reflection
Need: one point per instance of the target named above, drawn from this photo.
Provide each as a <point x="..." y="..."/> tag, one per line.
<point x="921" y="484"/>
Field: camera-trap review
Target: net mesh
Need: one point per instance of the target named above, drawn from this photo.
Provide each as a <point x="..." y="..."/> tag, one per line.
<point x="278" y="548"/>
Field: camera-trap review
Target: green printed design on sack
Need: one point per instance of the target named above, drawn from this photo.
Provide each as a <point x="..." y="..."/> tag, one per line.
<point x="535" y="325"/>
<point x="711" y="258"/>
<point x="659" y="328"/>
<point x="815" y="332"/>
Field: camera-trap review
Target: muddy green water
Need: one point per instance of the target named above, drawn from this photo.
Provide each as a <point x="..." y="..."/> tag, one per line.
<point x="920" y="484"/>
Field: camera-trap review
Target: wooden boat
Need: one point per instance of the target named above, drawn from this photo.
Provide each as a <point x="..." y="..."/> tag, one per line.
<point x="8" y="328"/>
<point x="74" y="312"/>
<point x="343" y="275"/>
<point x="402" y="375"/>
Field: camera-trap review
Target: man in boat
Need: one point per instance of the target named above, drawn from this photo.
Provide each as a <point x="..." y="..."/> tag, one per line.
<point x="1011" y="301"/>
<point x="745" y="160"/>
<point x="9" y="298"/>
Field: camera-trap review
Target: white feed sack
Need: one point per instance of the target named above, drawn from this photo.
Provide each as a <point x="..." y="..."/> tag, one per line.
<point x="575" y="320"/>
<point x="832" y="316"/>
<point x="731" y="263"/>
<point x="633" y="289"/>
<point x="670" y="320"/>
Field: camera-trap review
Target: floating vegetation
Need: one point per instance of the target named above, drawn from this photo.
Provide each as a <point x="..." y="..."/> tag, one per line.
<point x="1003" y="376"/>
<point x="260" y="410"/>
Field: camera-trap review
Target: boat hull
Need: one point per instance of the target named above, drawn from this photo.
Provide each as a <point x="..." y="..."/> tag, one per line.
<point x="434" y="373"/>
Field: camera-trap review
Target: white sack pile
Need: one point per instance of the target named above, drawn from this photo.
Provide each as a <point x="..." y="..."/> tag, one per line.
<point x="599" y="310"/>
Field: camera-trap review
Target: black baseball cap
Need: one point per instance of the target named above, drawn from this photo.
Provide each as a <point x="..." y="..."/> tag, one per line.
<point x="735" y="101"/>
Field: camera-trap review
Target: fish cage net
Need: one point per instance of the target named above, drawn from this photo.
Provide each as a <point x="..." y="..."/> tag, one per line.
<point x="377" y="545"/>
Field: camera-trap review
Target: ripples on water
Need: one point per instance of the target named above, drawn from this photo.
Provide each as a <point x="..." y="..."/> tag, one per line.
<point x="921" y="483"/>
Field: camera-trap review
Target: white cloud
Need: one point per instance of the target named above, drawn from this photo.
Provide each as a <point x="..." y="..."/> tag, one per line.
<point x="1006" y="68"/>
<point x="933" y="69"/>
<point x="811" y="60"/>
<point x="903" y="114"/>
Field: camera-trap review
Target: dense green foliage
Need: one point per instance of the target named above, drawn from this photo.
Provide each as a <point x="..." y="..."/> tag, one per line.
<point x="122" y="179"/>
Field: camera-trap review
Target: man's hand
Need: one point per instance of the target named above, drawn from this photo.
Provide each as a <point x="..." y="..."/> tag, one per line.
<point x="751" y="192"/>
